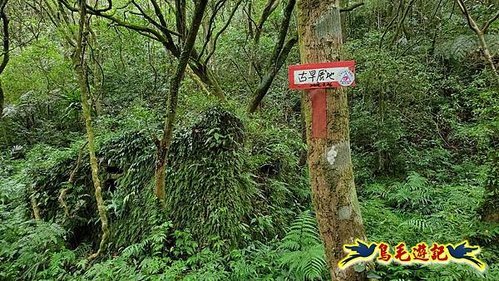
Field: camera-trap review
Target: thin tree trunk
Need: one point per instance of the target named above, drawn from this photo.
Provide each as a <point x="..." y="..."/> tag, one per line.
<point x="400" y="24"/>
<point x="1" y="100"/>
<point x="163" y="145"/>
<point x="278" y="58"/>
<point x="267" y="11"/>
<point x="98" y="73"/>
<point x="249" y="20"/>
<point x="488" y="56"/>
<point x="35" y="208"/>
<point x="81" y="71"/>
<point x="267" y="80"/>
<point x="329" y="158"/>
<point x="480" y="33"/>
<point x="5" y="43"/>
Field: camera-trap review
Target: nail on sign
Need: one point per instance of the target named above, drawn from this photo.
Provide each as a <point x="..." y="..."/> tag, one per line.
<point x="322" y="75"/>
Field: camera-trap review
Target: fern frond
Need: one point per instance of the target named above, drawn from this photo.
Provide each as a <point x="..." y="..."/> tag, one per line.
<point x="303" y="232"/>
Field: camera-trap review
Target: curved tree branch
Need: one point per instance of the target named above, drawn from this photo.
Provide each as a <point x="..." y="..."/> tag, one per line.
<point x="279" y="55"/>
<point x="207" y="59"/>
<point x="351" y="8"/>
<point x="480" y="33"/>
<point x="489" y="22"/>
<point x="267" y="11"/>
<point x="211" y="26"/>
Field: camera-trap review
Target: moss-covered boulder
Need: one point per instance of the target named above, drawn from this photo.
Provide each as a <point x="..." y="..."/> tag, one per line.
<point x="209" y="188"/>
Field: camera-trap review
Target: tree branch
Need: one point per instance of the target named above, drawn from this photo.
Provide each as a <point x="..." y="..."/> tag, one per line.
<point x="211" y="26"/>
<point x="159" y="14"/>
<point x="351" y="8"/>
<point x="164" y="38"/>
<point x="288" y="11"/>
<point x="488" y="23"/>
<point x="390" y="23"/>
<point x="180" y="17"/>
<point x="108" y="8"/>
<point x="147" y="17"/>
<point x="279" y="55"/>
<point x="472" y="24"/>
<point x="267" y="11"/>
<point x="221" y="31"/>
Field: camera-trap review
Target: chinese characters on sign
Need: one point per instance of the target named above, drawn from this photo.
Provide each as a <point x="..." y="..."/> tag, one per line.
<point x="421" y="253"/>
<point x="322" y="75"/>
<point x="317" y="78"/>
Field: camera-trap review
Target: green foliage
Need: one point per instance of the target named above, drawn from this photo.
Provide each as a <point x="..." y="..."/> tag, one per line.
<point x="416" y="211"/>
<point x="424" y="130"/>
<point x="29" y="250"/>
<point x="39" y="117"/>
<point x="38" y="68"/>
<point x="391" y="108"/>
<point x="303" y="252"/>
<point x="281" y="178"/>
<point x="209" y="189"/>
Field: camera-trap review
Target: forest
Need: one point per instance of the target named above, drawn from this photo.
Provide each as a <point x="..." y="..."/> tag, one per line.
<point x="171" y="140"/>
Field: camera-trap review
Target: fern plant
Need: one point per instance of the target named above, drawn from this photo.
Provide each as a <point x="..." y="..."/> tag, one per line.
<point x="302" y="250"/>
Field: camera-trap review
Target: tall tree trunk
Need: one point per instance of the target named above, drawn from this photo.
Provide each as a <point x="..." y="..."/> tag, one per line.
<point x="329" y="158"/>
<point x="79" y="60"/>
<point x="5" y="44"/>
<point x="163" y="145"/>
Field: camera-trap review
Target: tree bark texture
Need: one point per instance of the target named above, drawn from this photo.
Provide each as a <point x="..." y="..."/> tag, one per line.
<point x="329" y="158"/>
<point x="5" y="44"/>
<point x="163" y="145"/>
<point x="79" y="60"/>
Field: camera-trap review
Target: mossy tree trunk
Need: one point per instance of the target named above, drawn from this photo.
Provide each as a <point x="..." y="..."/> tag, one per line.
<point x="163" y="144"/>
<point x="480" y="33"/>
<point x="329" y="158"/>
<point x="79" y="60"/>
<point x="97" y="73"/>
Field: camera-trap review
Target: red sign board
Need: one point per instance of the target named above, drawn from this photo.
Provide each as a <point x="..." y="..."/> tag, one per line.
<point x="322" y="75"/>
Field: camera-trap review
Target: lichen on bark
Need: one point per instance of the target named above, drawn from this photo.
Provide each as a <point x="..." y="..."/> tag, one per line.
<point x="331" y="172"/>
